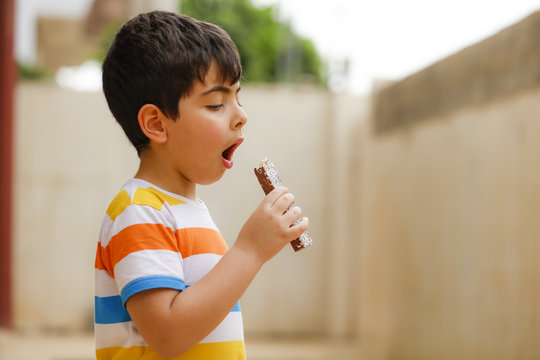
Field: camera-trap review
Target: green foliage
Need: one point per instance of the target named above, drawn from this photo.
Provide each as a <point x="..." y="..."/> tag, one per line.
<point x="270" y="50"/>
<point x="31" y="72"/>
<point x="106" y="37"/>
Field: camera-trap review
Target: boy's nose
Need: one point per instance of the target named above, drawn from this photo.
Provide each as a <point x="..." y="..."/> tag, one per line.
<point x="239" y="120"/>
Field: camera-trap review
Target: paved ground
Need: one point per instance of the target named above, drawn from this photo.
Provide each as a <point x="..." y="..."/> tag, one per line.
<point x="14" y="346"/>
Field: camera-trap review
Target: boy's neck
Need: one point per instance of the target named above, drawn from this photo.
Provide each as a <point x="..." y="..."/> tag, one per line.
<point x="153" y="171"/>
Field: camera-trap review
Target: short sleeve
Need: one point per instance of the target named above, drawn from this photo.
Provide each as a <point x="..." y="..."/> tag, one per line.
<point x="142" y="252"/>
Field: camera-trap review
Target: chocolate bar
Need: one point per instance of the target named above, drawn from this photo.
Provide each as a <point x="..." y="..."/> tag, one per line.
<point x="268" y="177"/>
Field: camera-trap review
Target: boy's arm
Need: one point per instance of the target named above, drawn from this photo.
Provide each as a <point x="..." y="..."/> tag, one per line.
<point x="171" y="322"/>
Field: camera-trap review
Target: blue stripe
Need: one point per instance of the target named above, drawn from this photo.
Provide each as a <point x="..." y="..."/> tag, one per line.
<point x="110" y="310"/>
<point x="236" y="307"/>
<point x="151" y="282"/>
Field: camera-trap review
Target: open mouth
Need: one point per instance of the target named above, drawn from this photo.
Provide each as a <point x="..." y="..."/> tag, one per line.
<point x="227" y="155"/>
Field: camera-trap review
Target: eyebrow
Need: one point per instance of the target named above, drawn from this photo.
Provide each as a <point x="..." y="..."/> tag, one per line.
<point x="221" y="88"/>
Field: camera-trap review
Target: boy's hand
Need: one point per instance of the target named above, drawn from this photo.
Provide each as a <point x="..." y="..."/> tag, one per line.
<point x="270" y="228"/>
<point x="171" y="322"/>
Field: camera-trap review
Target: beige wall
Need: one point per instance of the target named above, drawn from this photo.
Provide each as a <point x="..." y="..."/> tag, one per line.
<point x="71" y="158"/>
<point x="450" y="208"/>
<point x="450" y="229"/>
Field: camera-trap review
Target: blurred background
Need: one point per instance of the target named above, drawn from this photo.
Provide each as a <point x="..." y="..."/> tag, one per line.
<point x="408" y="131"/>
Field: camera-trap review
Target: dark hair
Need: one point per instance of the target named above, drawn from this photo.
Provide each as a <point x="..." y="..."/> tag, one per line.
<point x="155" y="59"/>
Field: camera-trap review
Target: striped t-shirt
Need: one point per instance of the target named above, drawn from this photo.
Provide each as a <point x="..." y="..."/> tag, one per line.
<point x="151" y="238"/>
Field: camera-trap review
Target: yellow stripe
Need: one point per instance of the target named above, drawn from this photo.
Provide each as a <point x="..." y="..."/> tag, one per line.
<point x="171" y="200"/>
<point x="119" y="203"/>
<point x="230" y="350"/>
<point x="149" y="196"/>
<point x="154" y="198"/>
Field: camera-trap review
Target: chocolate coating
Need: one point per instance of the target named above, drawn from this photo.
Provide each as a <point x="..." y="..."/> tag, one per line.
<point x="269" y="179"/>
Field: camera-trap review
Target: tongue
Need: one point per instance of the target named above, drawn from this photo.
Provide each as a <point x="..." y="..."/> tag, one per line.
<point x="227" y="154"/>
<point x="227" y="158"/>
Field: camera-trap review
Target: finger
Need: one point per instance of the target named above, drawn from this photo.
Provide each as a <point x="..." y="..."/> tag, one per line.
<point x="298" y="229"/>
<point x="275" y="194"/>
<point x="284" y="202"/>
<point x="293" y="214"/>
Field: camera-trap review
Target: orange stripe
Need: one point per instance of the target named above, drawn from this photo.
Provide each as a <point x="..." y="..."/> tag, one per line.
<point x="194" y="241"/>
<point x="135" y="238"/>
<point x="189" y="241"/>
<point x="99" y="260"/>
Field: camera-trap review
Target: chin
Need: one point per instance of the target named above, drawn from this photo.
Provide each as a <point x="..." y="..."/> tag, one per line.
<point x="210" y="180"/>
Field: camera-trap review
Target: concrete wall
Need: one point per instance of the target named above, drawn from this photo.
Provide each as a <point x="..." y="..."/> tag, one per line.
<point x="450" y="208"/>
<point x="71" y="159"/>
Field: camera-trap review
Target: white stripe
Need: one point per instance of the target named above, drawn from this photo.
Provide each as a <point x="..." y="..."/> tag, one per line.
<point x="105" y="229"/>
<point x="148" y="262"/>
<point x="230" y="329"/>
<point x="126" y="335"/>
<point x="135" y="215"/>
<point x="177" y="217"/>
<point x="108" y="335"/>
<point x="189" y="216"/>
<point x="196" y="266"/>
<point x="105" y="284"/>
<point x="119" y="334"/>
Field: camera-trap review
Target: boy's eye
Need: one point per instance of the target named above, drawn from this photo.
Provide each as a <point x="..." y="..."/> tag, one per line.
<point x="214" y="107"/>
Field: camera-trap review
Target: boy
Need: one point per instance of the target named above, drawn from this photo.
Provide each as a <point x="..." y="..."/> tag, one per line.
<point x="166" y="284"/>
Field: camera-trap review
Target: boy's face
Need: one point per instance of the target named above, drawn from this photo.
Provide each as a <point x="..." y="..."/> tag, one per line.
<point x="207" y="131"/>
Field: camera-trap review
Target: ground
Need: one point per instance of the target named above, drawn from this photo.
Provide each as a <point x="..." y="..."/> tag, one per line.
<point x="39" y="346"/>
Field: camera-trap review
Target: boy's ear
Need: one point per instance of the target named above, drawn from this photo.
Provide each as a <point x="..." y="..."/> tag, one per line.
<point x="151" y="121"/>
